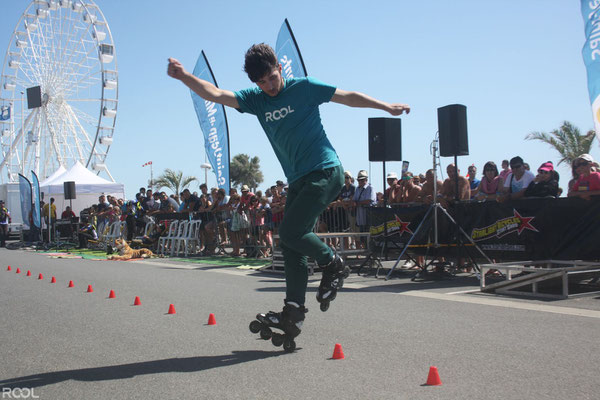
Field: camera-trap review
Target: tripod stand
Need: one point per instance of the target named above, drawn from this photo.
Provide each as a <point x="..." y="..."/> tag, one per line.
<point x="433" y="210"/>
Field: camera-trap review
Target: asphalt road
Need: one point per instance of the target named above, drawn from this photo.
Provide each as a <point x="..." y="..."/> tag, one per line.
<point x="65" y="343"/>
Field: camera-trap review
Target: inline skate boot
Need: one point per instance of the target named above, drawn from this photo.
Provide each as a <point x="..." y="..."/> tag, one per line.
<point x="289" y="321"/>
<point x="334" y="274"/>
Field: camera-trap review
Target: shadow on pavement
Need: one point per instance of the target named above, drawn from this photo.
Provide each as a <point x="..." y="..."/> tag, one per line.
<point x="125" y="371"/>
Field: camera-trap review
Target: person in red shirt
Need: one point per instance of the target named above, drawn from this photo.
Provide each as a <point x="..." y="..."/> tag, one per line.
<point x="67" y="214"/>
<point x="588" y="183"/>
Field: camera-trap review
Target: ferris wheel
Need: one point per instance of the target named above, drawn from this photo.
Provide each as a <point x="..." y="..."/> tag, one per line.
<point x="58" y="90"/>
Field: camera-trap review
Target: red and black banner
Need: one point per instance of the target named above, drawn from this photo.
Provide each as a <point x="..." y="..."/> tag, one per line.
<point x="527" y="229"/>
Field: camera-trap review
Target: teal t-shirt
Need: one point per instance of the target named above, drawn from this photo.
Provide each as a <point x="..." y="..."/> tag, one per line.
<point x="292" y="123"/>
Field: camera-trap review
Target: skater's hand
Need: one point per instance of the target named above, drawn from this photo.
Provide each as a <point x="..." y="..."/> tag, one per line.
<point x="398" y="109"/>
<point x="175" y="69"/>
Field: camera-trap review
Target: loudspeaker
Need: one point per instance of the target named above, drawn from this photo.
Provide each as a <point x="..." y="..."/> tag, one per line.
<point x="385" y="139"/>
<point x="69" y="189"/>
<point x="452" y="125"/>
<point x="34" y="97"/>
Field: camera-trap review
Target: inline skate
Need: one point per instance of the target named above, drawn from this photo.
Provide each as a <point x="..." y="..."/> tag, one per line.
<point x="334" y="274"/>
<point x="289" y="321"/>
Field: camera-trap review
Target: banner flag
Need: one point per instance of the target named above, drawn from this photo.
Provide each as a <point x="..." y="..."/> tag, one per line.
<point x="591" y="55"/>
<point x="213" y="122"/>
<point x="36" y="212"/>
<point x="288" y="53"/>
<point x="25" y="196"/>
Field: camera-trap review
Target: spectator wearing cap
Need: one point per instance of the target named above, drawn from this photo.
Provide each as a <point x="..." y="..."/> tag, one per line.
<point x="517" y="181"/>
<point x="588" y="183"/>
<point x="473" y="181"/>
<point x="364" y="197"/>
<point x="545" y="183"/>
<point x="394" y="191"/>
<point x="490" y="183"/>
<point x="410" y="191"/>
<point x="4" y="221"/>
<point x="246" y="196"/>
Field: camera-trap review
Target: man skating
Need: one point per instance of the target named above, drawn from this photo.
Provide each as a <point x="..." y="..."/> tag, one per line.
<point x="288" y="111"/>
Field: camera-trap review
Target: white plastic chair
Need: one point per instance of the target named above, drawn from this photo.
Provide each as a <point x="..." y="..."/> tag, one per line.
<point x="163" y="242"/>
<point x="190" y="240"/>
<point x="181" y="234"/>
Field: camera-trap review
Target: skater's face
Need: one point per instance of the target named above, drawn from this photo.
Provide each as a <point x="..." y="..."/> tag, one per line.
<point x="272" y="82"/>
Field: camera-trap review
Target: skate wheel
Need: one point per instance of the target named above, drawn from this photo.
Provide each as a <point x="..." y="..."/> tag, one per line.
<point x="277" y="339"/>
<point x="324" y="306"/>
<point x="266" y="333"/>
<point x="255" y="326"/>
<point x="289" y="345"/>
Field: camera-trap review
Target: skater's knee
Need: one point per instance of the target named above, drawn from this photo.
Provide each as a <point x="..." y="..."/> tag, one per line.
<point x="287" y="235"/>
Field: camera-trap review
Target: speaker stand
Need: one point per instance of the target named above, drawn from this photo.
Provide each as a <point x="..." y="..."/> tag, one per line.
<point x="384" y="249"/>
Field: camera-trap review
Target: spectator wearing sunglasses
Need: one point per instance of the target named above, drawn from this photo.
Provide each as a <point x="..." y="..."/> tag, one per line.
<point x="490" y="183"/>
<point x="545" y="183"/>
<point x="588" y="183"/>
<point x="517" y="181"/>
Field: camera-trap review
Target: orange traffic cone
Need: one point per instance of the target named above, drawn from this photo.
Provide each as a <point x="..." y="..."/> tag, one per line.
<point x="137" y="301"/>
<point x="53" y="280"/>
<point x="172" y="309"/>
<point x="111" y="295"/>
<point x="18" y="270"/>
<point x="28" y="273"/>
<point x="90" y="289"/>
<point x="71" y="284"/>
<point x="211" y="319"/>
<point x="8" y="269"/>
<point x="41" y="277"/>
<point x="338" y="353"/>
<point x="434" y="377"/>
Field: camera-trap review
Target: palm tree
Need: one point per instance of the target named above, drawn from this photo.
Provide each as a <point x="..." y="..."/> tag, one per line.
<point x="174" y="181"/>
<point x="245" y="171"/>
<point x="567" y="140"/>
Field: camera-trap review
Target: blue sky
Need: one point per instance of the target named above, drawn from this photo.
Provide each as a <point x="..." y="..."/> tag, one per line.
<point x="516" y="65"/>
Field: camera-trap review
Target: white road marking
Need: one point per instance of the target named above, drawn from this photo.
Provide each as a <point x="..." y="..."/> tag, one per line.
<point x="465" y="291"/>
<point x="505" y="303"/>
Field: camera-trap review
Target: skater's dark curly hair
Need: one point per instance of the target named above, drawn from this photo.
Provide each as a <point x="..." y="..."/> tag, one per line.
<point x="260" y="60"/>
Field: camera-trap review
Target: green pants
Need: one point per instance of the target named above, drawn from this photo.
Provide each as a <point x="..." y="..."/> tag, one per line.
<point x="306" y="199"/>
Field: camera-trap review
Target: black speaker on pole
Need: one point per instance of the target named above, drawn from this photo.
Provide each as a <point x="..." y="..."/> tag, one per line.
<point x="69" y="189"/>
<point x="385" y="139"/>
<point x="452" y="125"/>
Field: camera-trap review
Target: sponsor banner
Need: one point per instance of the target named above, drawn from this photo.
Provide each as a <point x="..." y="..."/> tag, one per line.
<point x="213" y="122"/>
<point x="528" y="229"/>
<point x="36" y="212"/>
<point x="25" y="197"/>
<point x="288" y="53"/>
<point x="591" y="54"/>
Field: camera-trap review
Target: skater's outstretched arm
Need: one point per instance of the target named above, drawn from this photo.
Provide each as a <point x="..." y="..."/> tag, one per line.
<point x="357" y="99"/>
<point x="202" y="88"/>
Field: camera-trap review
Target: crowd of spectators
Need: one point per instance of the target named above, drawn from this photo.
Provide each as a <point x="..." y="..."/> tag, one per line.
<point x="246" y="221"/>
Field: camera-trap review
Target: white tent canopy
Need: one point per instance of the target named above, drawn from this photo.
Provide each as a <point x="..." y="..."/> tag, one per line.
<point x="88" y="187"/>
<point x="61" y="170"/>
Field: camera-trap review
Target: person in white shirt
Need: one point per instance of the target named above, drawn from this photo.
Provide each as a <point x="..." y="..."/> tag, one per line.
<point x="517" y="181"/>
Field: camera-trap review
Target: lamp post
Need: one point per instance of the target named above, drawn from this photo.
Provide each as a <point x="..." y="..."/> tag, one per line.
<point x="205" y="167"/>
